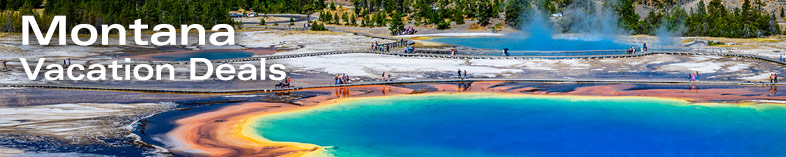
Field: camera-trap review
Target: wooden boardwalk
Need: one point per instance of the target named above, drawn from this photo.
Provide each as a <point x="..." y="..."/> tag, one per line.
<point x="240" y="91"/>
<point x="401" y="53"/>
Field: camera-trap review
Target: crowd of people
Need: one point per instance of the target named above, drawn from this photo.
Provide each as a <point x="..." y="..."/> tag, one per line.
<point x="407" y="31"/>
<point x="409" y="49"/>
<point x="285" y="83"/>
<point x="634" y="49"/>
<point x="694" y="76"/>
<point x="377" y="47"/>
<point x="342" y="79"/>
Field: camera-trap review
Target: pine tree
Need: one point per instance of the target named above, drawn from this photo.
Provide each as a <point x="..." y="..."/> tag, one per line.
<point x="336" y="18"/>
<point x="458" y="16"/>
<point x="396" y="25"/>
<point x="324" y="17"/>
<point x="345" y="18"/>
<point x="628" y="17"/>
<point x="513" y="10"/>
<point x="353" y="20"/>
<point x="484" y="13"/>
<point x="375" y="19"/>
<point x="381" y="19"/>
<point x="363" y="22"/>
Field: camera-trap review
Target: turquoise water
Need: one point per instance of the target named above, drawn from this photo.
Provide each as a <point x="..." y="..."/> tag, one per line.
<point x="497" y="125"/>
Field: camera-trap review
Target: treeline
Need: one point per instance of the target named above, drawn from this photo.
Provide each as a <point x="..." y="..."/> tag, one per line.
<point x="282" y="6"/>
<point x="97" y="12"/>
<point x="712" y="19"/>
<point x="706" y="20"/>
<point x="393" y="13"/>
<point x="746" y="21"/>
<point x="17" y="4"/>
<point x="423" y="12"/>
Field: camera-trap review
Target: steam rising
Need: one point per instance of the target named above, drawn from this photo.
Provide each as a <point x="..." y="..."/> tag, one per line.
<point x="583" y="25"/>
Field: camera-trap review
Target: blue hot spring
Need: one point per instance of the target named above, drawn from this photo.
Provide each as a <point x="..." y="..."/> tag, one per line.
<point x="523" y="125"/>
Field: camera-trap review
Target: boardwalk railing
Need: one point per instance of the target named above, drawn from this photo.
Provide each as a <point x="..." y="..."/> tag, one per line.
<point x="293" y="28"/>
<point x="475" y="52"/>
<point x="526" y="53"/>
<point x="235" y="91"/>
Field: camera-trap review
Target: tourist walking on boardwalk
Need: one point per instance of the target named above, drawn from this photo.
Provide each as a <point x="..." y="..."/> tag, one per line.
<point x="459" y="73"/>
<point x="644" y="47"/>
<point x="5" y="65"/>
<point x="383" y="76"/>
<point x="465" y="73"/>
<point x="452" y="51"/>
<point x="389" y="77"/>
<point x="341" y="79"/>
